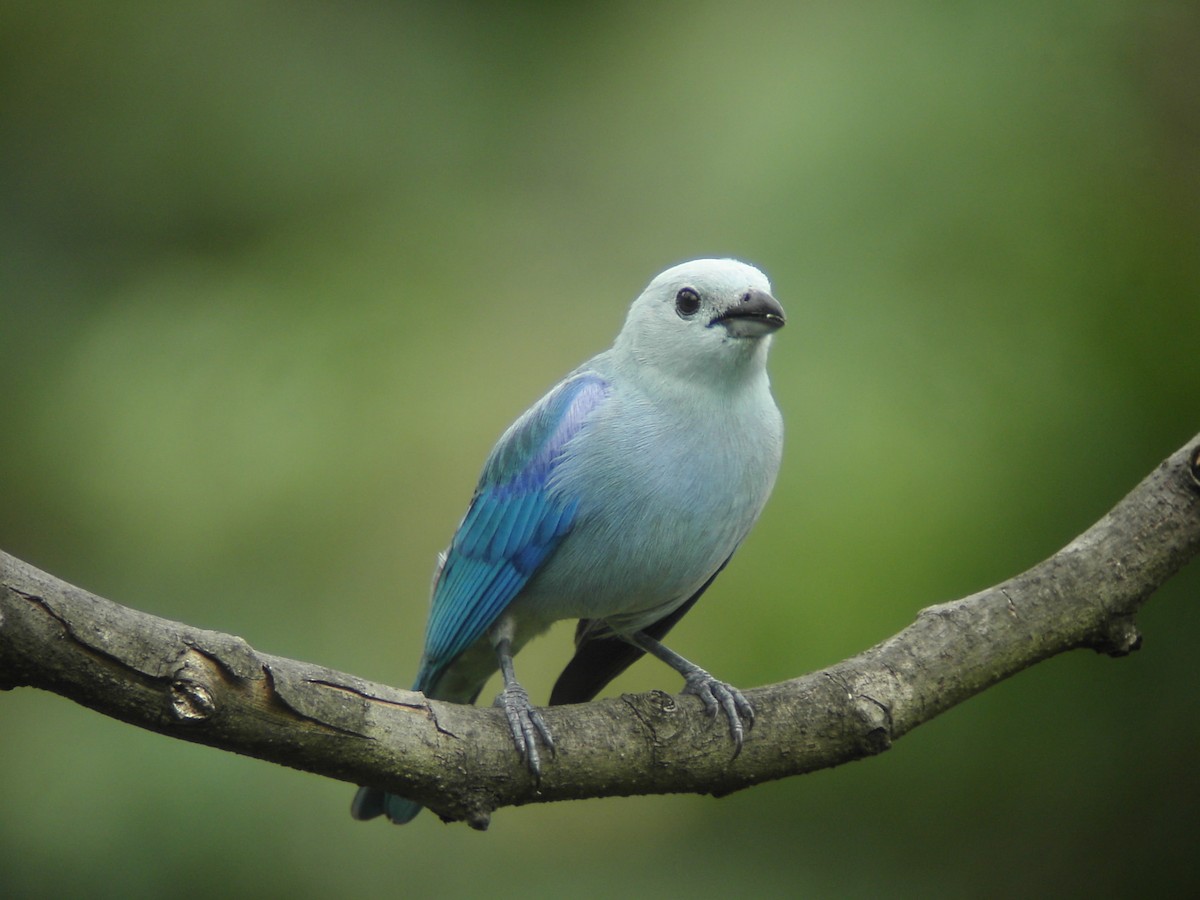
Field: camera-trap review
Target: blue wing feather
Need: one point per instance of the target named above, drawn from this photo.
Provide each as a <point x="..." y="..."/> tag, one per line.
<point x="515" y="521"/>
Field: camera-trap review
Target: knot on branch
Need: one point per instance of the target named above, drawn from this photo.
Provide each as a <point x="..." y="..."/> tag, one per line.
<point x="479" y="820"/>
<point x="1194" y="466"/>
<point x="192" y="691"/>
<point x="656" y="712"/>
<point x="867" y="719"/>
<point x="1119" y="637"/>
<point x="876" y="719"/>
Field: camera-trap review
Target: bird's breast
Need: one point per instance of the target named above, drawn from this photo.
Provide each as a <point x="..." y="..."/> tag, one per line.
<point x="665" y="496"/>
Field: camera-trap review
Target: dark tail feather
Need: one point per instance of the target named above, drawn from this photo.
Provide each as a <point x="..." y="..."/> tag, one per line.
<point x="597" y="661"/>
<point x="595" y="664"/>
<point x="369" y="803"/>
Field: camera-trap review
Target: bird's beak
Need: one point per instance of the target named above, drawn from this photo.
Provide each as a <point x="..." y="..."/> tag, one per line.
<point x="755" y="315"/>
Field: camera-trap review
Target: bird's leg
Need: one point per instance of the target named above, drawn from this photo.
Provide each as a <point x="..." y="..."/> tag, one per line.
<point x="524" y="720"/>
<point x="711" y="691"/>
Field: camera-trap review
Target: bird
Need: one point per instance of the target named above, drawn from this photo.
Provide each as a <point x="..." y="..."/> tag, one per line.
<point x="616" y="499"/>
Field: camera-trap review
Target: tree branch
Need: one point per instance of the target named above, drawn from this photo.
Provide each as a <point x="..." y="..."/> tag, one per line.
<point x="215" y="689"/>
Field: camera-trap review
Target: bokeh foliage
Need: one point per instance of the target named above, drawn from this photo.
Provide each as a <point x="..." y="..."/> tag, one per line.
<point x="273" y="277"/>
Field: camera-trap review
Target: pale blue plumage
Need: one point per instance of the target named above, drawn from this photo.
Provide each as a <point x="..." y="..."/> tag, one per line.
<point x="616" y="499"/>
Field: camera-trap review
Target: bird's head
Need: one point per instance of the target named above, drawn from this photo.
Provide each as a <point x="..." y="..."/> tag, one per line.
<point x="703" y="319"/>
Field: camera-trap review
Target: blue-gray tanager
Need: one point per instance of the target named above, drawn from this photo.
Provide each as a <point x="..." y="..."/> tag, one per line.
<point x="616" y="499"/>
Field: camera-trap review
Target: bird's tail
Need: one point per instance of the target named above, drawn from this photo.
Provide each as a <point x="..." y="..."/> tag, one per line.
<point x="370" y="803"/>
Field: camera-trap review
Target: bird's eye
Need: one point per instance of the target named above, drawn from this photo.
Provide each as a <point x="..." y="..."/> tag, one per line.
<point x="687" y="302"/>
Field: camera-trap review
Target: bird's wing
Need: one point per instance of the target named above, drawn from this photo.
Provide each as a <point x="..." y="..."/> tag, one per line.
<point x="597" y="661"/>
<point x="513" y="524"/>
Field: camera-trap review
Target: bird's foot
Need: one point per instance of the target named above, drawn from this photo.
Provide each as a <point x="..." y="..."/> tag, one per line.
<point x="526" y="724"/>
<point x="716" y="695"/>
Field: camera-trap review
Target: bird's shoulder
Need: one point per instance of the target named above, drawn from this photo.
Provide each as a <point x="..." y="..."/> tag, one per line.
<point x="529" y="448"/>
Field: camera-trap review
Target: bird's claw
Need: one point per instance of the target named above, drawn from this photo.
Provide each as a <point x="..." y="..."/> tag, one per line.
<point x="526" y="724"/>
<point x="715" y="694"/>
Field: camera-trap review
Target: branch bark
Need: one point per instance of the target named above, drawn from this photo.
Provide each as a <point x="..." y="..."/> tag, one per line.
<point x="215" y="689"/>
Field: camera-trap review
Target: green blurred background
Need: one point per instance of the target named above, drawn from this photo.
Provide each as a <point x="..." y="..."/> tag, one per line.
<point x="274" y="276"/>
